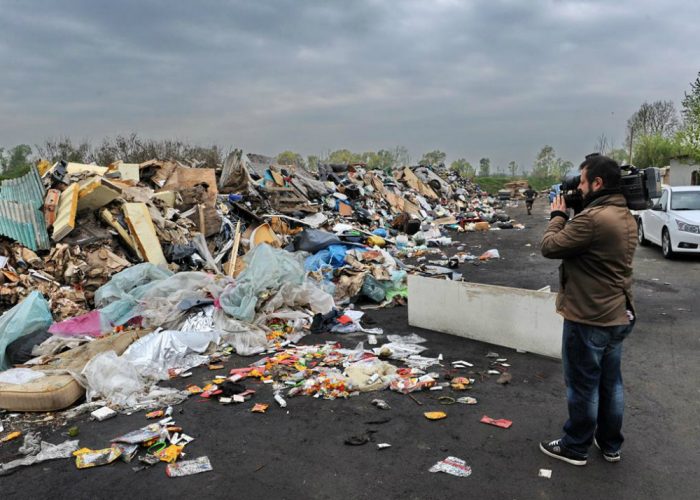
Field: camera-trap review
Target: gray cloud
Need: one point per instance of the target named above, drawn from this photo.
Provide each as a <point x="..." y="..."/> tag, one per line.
<point x="484" y="78"/>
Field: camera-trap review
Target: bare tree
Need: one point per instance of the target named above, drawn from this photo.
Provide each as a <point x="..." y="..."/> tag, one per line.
<point x="602" y="144"/>
<point x="657" y="118"/>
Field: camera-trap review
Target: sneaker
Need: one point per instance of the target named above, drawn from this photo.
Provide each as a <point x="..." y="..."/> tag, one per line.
<point x="556" y="450"/>
<point x="609" y="457"/>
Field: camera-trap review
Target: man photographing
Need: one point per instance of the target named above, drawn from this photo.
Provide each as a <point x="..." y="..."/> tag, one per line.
<point x="596" y="247"/>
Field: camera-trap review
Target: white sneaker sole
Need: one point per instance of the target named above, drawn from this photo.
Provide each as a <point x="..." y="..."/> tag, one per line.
<point x="607" y="458"/>
<point x="571" y="461"/>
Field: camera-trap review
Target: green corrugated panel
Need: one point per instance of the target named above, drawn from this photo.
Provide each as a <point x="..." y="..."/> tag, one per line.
<point x="25" y="224"/>
<point x="25" y="189"/>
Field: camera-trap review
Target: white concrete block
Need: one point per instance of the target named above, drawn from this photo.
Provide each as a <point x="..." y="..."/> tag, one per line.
<point x="511" y="317"/>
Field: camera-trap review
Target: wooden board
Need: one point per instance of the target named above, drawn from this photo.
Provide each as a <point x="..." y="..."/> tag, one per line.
<point x="65" y="212"/>
<point x="143" y="232"/>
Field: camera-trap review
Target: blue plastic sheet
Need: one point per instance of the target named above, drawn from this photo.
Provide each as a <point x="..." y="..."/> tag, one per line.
<point x="333" y="256"/>
<point x="29" y="316"/>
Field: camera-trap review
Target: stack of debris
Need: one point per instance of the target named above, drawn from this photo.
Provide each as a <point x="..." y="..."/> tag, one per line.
<point x="250" y="254"/>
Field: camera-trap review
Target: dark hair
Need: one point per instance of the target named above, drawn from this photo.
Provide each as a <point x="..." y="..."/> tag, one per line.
<point x="601" y="166"/>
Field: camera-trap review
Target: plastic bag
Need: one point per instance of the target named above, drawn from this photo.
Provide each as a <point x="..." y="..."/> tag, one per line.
<point x="333" y="256"/>
<point x="151" y="356"/>
<point x="48" y="452"/>
<point x="370" y="375"/>
<point x="129" y="283"/>
<point x="113" y="378"/>
<point x="29" y="316"/>
<point x="372" y="289"/>
<point x="245" y="338"/>
<point x="306" y="294"/>
<point x="20" y="351"/>
<point x="118" y="298"/>
<point x="92" y="323"/>
<point x="314" y="240"/>
<point x="266" y="268"/>
<point x="159" y="305"/>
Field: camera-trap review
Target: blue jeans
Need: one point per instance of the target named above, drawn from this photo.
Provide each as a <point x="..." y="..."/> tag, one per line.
<point x="591" y="357"/>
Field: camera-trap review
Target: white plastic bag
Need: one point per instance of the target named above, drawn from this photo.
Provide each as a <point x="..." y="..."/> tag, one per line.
<point x="113" y="378"/>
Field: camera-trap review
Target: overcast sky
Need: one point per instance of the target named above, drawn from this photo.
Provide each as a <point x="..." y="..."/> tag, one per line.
<point x="494" y="78"/>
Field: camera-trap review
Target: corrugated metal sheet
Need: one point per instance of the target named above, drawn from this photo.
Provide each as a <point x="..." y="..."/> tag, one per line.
<point x="24" y="223"/>
<point x="26" y="189"/>
<point x="20" y="215"/>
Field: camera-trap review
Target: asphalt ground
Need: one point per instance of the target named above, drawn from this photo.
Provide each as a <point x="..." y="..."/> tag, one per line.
<point x="299" y="451"/>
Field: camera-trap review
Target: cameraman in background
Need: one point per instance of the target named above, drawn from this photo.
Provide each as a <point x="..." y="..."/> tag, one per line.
<point x="596" y="247"/>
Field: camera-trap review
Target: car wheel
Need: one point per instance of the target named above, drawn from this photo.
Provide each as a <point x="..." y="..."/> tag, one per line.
<point x="640" y="234"/>
<point x="666" y="247"/>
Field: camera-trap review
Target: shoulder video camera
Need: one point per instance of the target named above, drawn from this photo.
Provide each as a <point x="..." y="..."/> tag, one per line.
<point x="638" y="186"/>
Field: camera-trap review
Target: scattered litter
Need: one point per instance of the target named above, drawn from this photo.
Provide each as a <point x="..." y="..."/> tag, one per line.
<point x="468" y="400"/>
<point x="435" y="415"/>
<point x="453" y="466"/>
<point x="260" y="408"/>
<point x="547" y="473"/>
<point x="381" y="404"/>
<point x="188" y="467"/>
<point x="86" y="458"/>
<point x="103" y="413"/>
<point x="383" y="446"/>
<point x="501" y="422"/>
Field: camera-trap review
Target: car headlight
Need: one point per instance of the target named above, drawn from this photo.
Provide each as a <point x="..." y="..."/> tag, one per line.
<point x="688" y="228"/>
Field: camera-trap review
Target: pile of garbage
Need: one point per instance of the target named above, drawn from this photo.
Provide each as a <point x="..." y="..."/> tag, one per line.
<point x="115" y="278"/>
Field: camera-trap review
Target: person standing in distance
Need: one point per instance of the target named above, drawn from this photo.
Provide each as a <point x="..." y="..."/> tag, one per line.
<point x="596" y="248"/>
<point x="530" y="195"/>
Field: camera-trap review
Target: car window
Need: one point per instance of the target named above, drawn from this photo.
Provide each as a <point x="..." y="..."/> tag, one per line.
<point x="664" y="200"/>
<point x="685" y="200"/>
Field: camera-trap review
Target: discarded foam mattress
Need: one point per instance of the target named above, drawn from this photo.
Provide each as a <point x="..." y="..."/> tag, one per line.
<point x="50" y="393"/>
<point x="58" y="389"/>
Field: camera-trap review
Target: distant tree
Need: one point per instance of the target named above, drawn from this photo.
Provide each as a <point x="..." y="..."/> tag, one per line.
<point x="655" y="151"/>
<point x="562" y="167"/>
<point x="619" y="155"/>
<point x="484" y="167"/>
<point x="433" y="158"/>
<point x="63" y="149"/>
<point x="544" y="163"/>
<point x="381" y="160"/>
<point x="401" y="156"/>
<point x="15" y="159"/>
<point x="290" y="158"/>
<point x="513" y="168"/>
<point x="312" y="163"/>
<point x="602" y="144"/>
<point x="462" y="168"/>
<point x="343" y="156"/>
<point x="657" y="118"/>
<point x="689" y="136"/>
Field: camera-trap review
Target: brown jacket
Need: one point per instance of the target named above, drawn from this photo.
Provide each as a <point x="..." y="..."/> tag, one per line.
<point x="596" y="247"/>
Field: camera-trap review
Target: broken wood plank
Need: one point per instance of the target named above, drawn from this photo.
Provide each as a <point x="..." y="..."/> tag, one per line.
<point x="65" y="212"/>
<point x="107" y="216"/>
<point x="234" y="250"/>
<point x="143" y="232"/>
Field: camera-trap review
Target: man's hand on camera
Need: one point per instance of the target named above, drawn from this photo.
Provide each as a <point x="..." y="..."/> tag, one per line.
<point x="558" y="208"/>
<point x="558" y="205"/>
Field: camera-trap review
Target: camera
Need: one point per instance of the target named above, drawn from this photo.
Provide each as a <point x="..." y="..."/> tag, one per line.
<point x="638" y="186"/>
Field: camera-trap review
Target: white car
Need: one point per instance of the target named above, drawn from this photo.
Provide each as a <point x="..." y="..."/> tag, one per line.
<point x="673" y="221"/>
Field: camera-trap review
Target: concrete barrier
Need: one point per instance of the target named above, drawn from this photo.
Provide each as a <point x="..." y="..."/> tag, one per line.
<point x="511" y="317"/>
